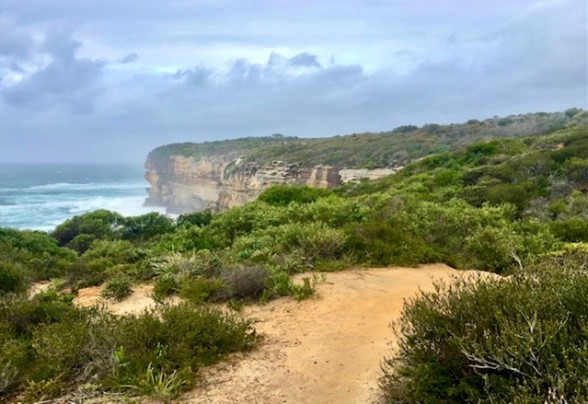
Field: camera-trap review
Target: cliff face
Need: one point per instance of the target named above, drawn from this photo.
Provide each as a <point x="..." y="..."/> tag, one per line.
<point x="223" y="181"/>
<point x="219" y="182"/>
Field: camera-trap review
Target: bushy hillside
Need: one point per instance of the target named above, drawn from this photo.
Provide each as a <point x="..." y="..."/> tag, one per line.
<point x="374" y="150"/>
<point x="510" y="206"/>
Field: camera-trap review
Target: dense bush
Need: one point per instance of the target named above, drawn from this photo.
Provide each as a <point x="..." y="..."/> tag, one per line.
<point x="178" y="338"/>
<point x="571" y="230"/>
<point x="80" y="231"/>
<point x="227" y="226"/>
<point x="283" y="195"/>
<point x="118" y="288"/>
<point x="408" y="231"/>
<point x="176" y="271"/>
<point x="47" y="347"/>
<point x="36" y="253"/>
<point x="146" y="226"/>
<point x="199" y="219"/>
<point x="12" y="279"/>
<point x="521" y="339"/>
<point x="311" y="242"/>
<point x="242" y="282"/>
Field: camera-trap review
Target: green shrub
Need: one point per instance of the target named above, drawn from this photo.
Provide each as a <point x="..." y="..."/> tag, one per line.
<point x="491" y="249"/>
<point x="572" y="256"/>
<point x="200" y="263"/>
<point x="76" y="349"/>
<point x="314" y="241"/>
<point x="293" y="247"/>
<point x="115" y="251"/>
<point x="22" y="316"/>
<point x="14" y="356"/>
<point x="53" y="295"/>
<point x="198" y="219"/>
<point x="571" y="230"/>
<point x="118" y="288"/>
<point x="12" y="279"/>
<point x="48" y="348"/>
<point x="35" y="253"/>
<point x="82" y="242"/>
<point x="331" y="210"/>
<point x="389" y="242"/>
<point x="305" y="290"/>
<point x="521" y="339"/>
<point x="161" y="385"/>
<point x="184" y="337"/>
<point x="283" y="195"/>
<point x="200" y="289"/>
<point x="227" y="226"/>
<point x="280" y="283"/>
<point x="176" y="271"/>
<point x="147" y="226"/>
<point x="79" y="231"/>
<point x="46" y="344"/>
<point x="165" y="285"/>
<point x="242" y="282"/>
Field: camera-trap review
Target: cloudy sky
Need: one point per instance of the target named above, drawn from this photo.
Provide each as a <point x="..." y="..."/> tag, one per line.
<point x="108" y="80"/>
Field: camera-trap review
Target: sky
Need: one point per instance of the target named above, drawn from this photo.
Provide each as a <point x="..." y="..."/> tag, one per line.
<point x="109" y="80"/>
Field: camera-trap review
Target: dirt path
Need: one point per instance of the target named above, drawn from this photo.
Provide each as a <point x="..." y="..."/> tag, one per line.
<point x="323" y="350"/>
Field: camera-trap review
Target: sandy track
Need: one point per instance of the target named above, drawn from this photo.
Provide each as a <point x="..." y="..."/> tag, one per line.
<point x="323" y="350"/>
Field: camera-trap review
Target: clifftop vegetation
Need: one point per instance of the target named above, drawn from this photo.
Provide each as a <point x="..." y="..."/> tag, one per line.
<point x="513" y="206"/>
<point x="375" y="150"/>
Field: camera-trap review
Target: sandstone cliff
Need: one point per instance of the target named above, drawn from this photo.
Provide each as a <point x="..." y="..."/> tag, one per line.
<point x="190" y="176"/>
<point x="187" y="184"/>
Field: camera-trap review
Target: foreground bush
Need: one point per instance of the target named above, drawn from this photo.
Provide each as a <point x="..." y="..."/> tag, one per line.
<point x="49" y="348"/>
<point x="521" y="339"/>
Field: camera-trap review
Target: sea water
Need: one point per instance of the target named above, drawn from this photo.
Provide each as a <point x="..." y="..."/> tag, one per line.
<point x="42" y="196"/>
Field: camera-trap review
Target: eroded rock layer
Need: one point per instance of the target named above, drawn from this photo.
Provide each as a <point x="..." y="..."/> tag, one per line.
<point x="186" y="184"/>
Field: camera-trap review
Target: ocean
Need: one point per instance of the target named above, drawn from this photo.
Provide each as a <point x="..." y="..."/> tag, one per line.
<point x="42" y="196"/>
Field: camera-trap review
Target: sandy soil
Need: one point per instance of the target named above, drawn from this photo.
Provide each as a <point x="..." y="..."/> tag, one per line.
<point x="39" y="287"/>
<point x="326" y="349"/>
<point x="136" y="303"/>
<point x="323" y="350"/>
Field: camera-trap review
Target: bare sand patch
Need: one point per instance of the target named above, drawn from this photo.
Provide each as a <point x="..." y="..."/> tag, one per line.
<point x="137" y="302"/>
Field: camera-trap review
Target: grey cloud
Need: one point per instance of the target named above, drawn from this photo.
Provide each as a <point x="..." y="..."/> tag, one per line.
<point x="66" y="80"/>
<point x="13" y="41"/>
<point x="243" y="72"/>
<point x="195" y="77"/>
<point x="130" y="58"/>
<point x="304" y="60"/>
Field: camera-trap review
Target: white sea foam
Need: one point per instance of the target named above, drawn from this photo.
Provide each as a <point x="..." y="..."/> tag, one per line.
<point x="66" y="186"/>
<point x="50" y="205"/>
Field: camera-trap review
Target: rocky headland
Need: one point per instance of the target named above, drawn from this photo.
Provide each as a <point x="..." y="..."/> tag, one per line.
<point x="188" y="177"/>
<point x="188" y="184"/>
